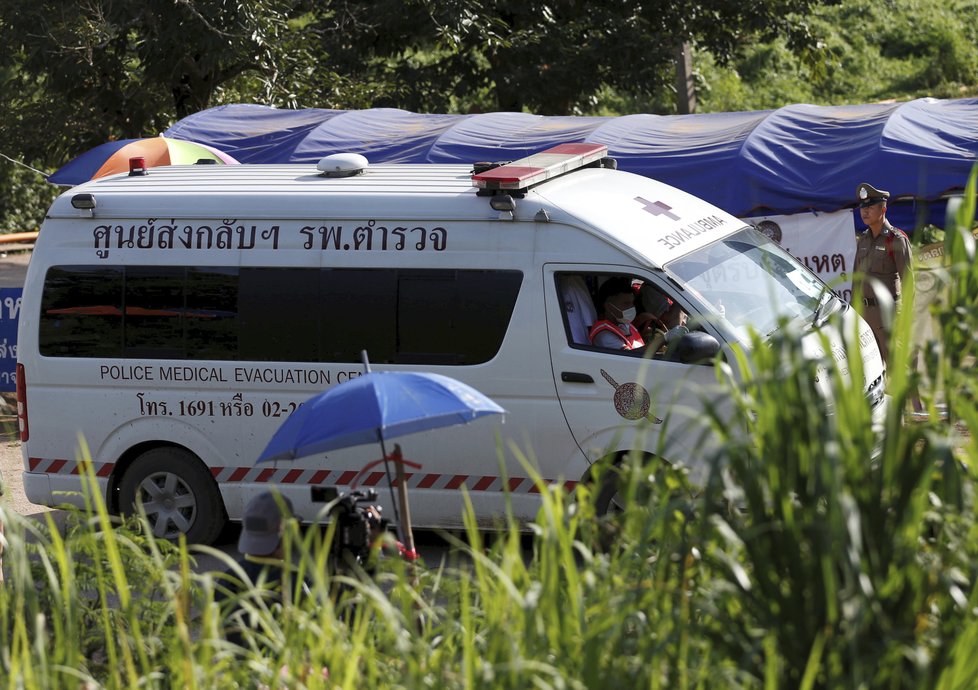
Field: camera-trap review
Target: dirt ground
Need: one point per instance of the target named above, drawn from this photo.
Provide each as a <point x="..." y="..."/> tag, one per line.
<point x="13" y="268"/>
<point x="14" y="500"/>
<point x="11" y="466"/>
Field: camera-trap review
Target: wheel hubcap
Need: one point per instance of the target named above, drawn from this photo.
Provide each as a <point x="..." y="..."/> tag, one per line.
<point x="169" y="504"/>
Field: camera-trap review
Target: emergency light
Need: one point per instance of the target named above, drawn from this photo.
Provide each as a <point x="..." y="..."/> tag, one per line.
<point x="539" y="167"/>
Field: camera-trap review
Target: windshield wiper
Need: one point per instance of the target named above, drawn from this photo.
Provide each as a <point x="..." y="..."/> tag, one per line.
<point x="822" y="303"/>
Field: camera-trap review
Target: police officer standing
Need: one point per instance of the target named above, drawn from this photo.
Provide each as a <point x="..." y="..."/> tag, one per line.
<point x="882" y="259"/>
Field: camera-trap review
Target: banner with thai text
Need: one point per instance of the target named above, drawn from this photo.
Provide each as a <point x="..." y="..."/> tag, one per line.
<point x="9" y="311"/>
<point x="825" y="242"/>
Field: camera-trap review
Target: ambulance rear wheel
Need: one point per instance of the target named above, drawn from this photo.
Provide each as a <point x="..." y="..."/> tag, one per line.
<point x="177" y="495"/>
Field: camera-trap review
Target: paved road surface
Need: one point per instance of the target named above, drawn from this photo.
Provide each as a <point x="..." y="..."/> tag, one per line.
<point x="13" y="266"/>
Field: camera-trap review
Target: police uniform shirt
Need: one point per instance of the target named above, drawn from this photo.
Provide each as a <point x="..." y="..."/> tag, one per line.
<point x="884" y="258"/>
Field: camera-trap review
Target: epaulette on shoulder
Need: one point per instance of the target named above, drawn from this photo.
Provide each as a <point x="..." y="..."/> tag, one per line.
<point x="894" y="232"/>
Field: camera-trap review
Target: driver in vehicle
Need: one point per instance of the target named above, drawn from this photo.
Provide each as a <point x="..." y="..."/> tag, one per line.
<point x="662" y="320"/>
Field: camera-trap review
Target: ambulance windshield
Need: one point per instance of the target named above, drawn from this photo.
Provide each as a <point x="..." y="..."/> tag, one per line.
<point x="750" y="282"/>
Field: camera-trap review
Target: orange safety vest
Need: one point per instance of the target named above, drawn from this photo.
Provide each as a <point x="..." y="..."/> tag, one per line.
<point x="632" y="340"/>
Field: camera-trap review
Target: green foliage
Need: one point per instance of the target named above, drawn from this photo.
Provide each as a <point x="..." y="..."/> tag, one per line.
<point x="928" y="234"/>
<point x="75" y="76"/>
<point x="868" y="50"/>
<point x="848" y="568"/>
<point x="24" y="197"/>
<point x="79" y="75"/>
<point x="542" y="57"/>
<point x="845" y="569"/>
<point x="958" y="312"/>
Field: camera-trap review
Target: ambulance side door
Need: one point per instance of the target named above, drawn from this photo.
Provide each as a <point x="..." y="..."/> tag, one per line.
<point x="616" y="400"/>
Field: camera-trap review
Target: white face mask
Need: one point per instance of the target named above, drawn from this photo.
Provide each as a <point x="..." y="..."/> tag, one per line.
<point x="628" y="315"/>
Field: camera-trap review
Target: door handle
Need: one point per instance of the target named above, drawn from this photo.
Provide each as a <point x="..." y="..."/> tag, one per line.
<point x="575" y="377"/>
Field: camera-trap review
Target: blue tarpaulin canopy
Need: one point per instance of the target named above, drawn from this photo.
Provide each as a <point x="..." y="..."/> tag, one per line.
<point x="789" y="160"/>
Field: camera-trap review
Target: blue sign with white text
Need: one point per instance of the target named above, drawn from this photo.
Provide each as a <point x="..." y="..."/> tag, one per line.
<point x="9" y="310"/>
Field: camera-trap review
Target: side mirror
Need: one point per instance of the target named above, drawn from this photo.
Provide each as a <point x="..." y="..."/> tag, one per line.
<point x="694" y="348"/>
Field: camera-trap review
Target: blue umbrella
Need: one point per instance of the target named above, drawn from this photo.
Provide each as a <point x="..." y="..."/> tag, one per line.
<point x="375" y="407"/>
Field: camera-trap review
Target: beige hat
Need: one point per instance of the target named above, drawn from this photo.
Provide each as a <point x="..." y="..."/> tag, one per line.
<point x="261" y="524"/>
<point x="868" y="195"/>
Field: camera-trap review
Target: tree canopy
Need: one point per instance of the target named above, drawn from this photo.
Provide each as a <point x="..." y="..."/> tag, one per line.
<point x="551" y="58"/>
<point x="80" y="73"/>
<point x="77" y="74"/>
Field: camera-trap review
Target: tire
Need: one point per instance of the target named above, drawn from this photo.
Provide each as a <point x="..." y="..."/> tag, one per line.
<point x="607" y="502"/>
<point x="608" y="507"/>
<point x="177" y="494"/>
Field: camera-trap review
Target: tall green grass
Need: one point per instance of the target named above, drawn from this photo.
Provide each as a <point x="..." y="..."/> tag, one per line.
<point x="807" y="561"/>
<point x="847" y="569"/>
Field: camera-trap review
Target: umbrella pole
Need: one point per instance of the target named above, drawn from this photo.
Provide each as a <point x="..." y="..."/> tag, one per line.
<point x="390" y="486"/>
<point x="403" y="516"/>
<point x="407" y="533"/>
<point x="387" y="468"/>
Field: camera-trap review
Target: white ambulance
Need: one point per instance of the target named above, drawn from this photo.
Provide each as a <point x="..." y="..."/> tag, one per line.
<point x="173" y="319"/>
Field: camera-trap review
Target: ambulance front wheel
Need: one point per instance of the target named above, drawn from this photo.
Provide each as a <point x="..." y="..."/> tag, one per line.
<point x="608" y="500"/>
<point x="177" y="495"/>
<point x="607" y="504"/>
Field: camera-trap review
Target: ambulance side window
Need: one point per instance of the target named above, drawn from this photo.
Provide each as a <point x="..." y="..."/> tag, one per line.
<point x="277" y="314"/>
<point x="657" y="312"/>
<point x="82" y="312"/>
<point x="580" y="297"/>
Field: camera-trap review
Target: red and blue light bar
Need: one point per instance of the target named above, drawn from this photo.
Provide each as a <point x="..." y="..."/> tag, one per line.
<point x="540" y="167"/>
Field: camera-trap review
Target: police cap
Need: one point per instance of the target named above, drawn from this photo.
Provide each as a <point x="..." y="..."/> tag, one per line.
<point x="868" y="195"/>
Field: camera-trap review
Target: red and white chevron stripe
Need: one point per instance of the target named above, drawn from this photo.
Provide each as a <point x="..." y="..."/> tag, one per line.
<point x="59" y="466"/>
<point x="259" y="475"/>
